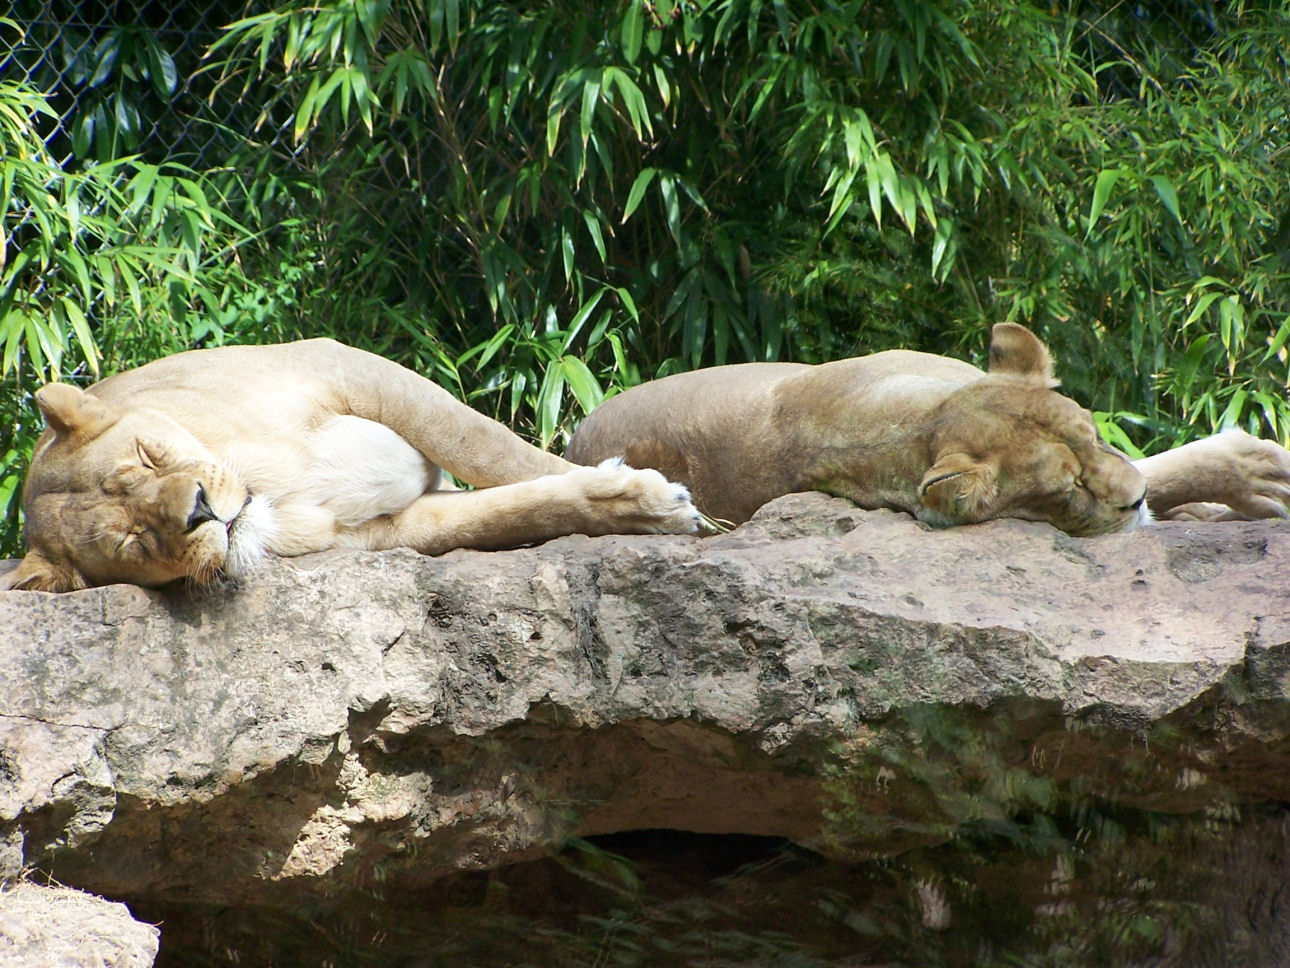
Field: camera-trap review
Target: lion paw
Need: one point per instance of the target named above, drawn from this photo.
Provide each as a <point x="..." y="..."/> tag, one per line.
<point x="1256" y="474"/>
<point x="628" y="499"/>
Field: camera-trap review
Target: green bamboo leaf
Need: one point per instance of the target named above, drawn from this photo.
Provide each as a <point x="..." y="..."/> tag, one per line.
<point x="590" y="98"/>
<point x="550" y="397"/>
<point x="364" y="97"/>
<point x="1278" y="340"/>
<point x="1102" y="188"/>
<point x="633" y="31"/>
<point x="489" y="348"/>
<point x="580" y="318"/>
<point x="598" y="331"/>
<point x="628" y="373"/>
<point x="663" y="84"/>
<point x="890" y="180"/>
<point x="105" y="274"/>
<point x="73" y="260"/>
<point x="671" y="205"/>
<point x="567" y="252"/>
<point x="841" y="202"/>
<point x="1275" y="411"/>
<point x="501" y="210"/>
<point x="633" y="100"/>
<point x="940" y="246"/>
<point x="629" y="303"/>
<point x="925" y="202"/>
<point x="1202" y="304"/>
<point x="83" y="134"/>
<point x="161" y="68"/>
<point x="142" y="187"/>
<point x="452" y="22"/>
<point x="873" y="179"/>
<point x="369" y="18"/>
<point x="1231" y="324"/>
<point x="105" y="55"/>
<point x="306" y="111"/>
<point x="908" y="205"/>
<point x="341" y="81"/>
<point x="593" y="228"/>
<point x="783" y="20"/>
<point x="36" y="331"/>
<point x="1205" y="282"/>
<point x="582" y="383"/>
<point x="1235" y="407"/>
<point x="80" y="326"/>
<point x="1168" y="195"/>
<point x="12" y="328"/>
<point x="637" y="191"/>
<point x="1115" y="435"/>
<point x="552" y="127"/>
<point x="131" y="280"/>
<point x="72" y="212"/>
<point x="1191" y="362"/>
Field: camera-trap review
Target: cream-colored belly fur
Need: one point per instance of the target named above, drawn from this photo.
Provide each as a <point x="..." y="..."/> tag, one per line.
<point x="349" y="471"/>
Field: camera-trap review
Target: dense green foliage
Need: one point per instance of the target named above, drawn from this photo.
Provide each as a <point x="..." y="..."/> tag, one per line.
<point x="537" y="204"/>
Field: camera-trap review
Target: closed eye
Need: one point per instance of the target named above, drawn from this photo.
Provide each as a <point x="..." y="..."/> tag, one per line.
<point x="132" y="537"/>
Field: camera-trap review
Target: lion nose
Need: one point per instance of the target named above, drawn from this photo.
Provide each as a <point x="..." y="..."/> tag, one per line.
<point x="202" y="511"/>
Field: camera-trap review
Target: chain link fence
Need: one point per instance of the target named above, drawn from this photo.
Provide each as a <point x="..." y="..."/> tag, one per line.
<point x="130" y="77"/>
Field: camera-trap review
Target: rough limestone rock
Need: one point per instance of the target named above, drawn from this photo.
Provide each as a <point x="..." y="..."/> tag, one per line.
<point x="357" y="716"/>
<point x="56" y="927"/>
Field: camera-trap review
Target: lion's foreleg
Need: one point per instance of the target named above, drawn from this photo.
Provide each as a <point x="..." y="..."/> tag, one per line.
<point x="609" y="499"/>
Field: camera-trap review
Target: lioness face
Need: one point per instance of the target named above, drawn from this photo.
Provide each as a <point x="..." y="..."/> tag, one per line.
<point x="124" y="496"/>
<point x="1006" y="450"/>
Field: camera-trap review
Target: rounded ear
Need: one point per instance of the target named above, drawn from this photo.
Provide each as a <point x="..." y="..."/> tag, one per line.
<point x="958" y="488"/>
<point x="1017" y="352"/>
<point x="70" y="410"/>
<point x="36" y="573"/>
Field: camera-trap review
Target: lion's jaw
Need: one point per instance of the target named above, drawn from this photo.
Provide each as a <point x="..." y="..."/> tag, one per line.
<point x="130" y="496"/>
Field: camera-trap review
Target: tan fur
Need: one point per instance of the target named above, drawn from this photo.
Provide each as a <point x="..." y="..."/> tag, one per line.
<point x="195" y="465"/>
<point x="911" y="431"/>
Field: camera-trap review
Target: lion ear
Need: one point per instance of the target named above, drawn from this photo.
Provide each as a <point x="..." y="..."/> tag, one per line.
<point x="1017" y="352"/>
<point x="36" y="573"/>
<point x="958" y="488"/>
<point x="70" y="410"/>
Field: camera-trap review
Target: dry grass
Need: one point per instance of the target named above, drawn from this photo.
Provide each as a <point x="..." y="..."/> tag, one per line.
<point x="56" y="927"/>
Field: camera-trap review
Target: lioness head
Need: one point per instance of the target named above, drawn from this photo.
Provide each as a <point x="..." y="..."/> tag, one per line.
<point x="122" y="495"/>
<point x="1008" y="446"/>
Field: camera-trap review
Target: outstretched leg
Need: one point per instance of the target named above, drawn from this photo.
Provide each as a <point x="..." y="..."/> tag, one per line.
<point x="607" y="499"/>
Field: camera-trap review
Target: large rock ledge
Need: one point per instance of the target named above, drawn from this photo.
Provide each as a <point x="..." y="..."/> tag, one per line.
<point x="351" y="716"/>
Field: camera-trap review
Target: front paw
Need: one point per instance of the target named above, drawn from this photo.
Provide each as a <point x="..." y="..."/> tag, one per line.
<point x="1259" y="474"/>
<point x="1202" y="511"/>
<point x="640" y="500"/>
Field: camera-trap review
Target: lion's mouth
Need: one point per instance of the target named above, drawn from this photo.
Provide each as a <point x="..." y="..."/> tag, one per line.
<point x="232" y="523"/>
<point x="250" y="533"/>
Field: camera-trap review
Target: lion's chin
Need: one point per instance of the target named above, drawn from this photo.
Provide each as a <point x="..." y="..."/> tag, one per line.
<point x="250" y="535"/>
<point x="1144" y="517"/>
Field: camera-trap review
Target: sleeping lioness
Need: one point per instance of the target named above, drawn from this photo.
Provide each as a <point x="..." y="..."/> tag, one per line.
<point x="196" y="465"/>
<point x="924" y="434"/>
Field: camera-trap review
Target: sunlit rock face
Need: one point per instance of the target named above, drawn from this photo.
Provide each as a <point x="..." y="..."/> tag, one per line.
<point x="847" y="682"/>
